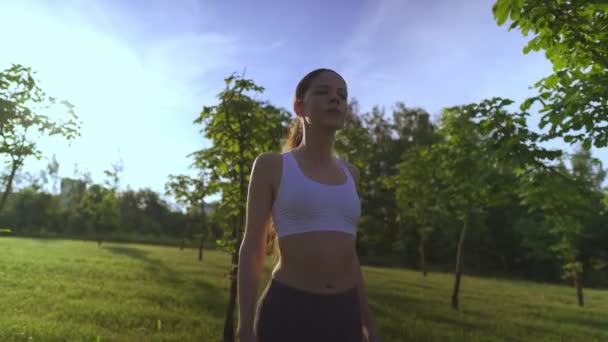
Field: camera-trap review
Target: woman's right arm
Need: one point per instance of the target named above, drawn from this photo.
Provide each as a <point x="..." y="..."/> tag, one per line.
<point x="253" y="246"/>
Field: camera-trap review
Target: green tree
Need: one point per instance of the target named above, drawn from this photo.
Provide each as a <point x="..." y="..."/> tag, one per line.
<point x="479" y="140"/>
<point x="190" y="192"/>
<point x="100" y="207"/>
<point x="573" y="34"/>
<point x="154" y="210"/>
<point x="568" y="204"/>
<point x="22" y="123"/>
<point x="240" y="128"/>
<point x="416" y="185"/>
<point x="588" y="169"/>
<point x="354" y="143"/>
<point x="413" y="130"/>
<point x="379" y="231"/>
<point x="464" y="167"/>
<point x="101" y="204"/>
<point x="374" y="143"/>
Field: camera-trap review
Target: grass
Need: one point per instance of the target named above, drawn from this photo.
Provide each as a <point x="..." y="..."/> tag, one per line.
<point x="62" y="290"/>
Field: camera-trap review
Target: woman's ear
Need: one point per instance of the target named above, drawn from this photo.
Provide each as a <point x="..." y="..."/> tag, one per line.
<point x="297" y="108"/>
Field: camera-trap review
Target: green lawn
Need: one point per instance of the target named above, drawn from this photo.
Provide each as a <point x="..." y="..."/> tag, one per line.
<point x="58" y="290"/>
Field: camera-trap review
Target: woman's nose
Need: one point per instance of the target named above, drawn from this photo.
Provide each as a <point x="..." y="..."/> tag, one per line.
<point x="335" y="98"/>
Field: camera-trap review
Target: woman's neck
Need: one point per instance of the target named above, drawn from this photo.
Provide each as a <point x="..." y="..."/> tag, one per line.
<point x="317" y="145"/>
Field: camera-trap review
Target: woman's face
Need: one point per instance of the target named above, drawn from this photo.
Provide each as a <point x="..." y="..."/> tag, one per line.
<point x="324" y="104"/>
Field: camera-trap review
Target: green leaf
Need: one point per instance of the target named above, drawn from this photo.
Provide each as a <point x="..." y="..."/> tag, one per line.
<point x="551" y="81"/>
<point x="587" y="144"/>
<point x="525" y="106"/>
<point x="501" y="11"/>
<point x="515" y="11"/>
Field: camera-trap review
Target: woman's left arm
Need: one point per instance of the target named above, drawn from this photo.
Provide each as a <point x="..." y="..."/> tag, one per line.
<point x="367" y="318"/>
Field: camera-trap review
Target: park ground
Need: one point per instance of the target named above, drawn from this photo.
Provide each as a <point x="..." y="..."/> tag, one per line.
<point x="67" y="290"/>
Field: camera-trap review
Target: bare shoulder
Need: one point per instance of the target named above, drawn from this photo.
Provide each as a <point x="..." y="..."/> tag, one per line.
<point x="268" y="161"/>
<point x="268" y="165"/>
<point x="354" y="171"/>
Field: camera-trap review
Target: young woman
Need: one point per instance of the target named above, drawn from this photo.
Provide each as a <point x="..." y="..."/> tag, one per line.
<point x="307" y="199"/>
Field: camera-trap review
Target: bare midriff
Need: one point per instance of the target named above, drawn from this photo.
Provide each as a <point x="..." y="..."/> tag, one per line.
<point x="319" y="262"/>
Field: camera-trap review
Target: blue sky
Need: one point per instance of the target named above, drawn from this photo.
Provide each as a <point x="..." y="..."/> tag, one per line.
<point x="140" y="71"/>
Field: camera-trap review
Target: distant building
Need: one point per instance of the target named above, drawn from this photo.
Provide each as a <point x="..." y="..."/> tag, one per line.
<point x="71" y="188"/>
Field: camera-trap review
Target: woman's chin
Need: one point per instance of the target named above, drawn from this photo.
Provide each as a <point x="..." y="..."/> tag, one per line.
<point x="334" y="124"/>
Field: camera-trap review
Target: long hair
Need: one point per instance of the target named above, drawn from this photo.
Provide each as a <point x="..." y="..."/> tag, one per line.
<point x="291" y="141"/>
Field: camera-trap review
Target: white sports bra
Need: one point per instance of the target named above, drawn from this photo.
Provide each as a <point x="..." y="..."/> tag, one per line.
<point x="303" y="205"/>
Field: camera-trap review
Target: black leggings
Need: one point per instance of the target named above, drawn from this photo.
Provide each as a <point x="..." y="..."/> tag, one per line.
<point x="288" y="314"/>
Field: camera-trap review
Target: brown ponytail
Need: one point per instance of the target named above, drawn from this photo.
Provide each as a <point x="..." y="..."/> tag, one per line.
<point x="291" y="141"/>
<point x="294" y="137"/>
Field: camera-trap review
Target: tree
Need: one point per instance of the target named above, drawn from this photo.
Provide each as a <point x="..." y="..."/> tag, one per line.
<point x="464" y="167"/>
<point x="416" y="185"/>
<point x="588" y="169"/>
<point x="21" y="105"/>
<point x="353" y="142"/>
<point x="379" y="230"/>
<point x="240" y="128"/>
<point x="573" y="34"/>
<point x="190" y="192"/>
<point x="409" y="128"/>
<point x="100" y="206"/>
<point x="479" y="140"/>
<point x="568" y="204"/>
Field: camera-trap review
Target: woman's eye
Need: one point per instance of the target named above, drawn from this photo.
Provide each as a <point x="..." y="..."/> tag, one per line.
<point x="342" y="96"/>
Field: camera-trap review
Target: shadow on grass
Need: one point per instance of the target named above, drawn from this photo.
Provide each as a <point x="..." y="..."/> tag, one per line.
<point x="392" y="303"/>
<point x="596" y="325"/>
<point x="403" y="310"/>
<point x="600" y="323"/>
<point x="153" y="266"/>
<point x="209" y="297"/>
<point x="135" y="253"/>
<point x="203" y="296"/>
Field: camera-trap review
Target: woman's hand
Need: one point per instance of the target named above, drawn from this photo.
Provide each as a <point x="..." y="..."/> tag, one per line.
<point x="370" y="336"/>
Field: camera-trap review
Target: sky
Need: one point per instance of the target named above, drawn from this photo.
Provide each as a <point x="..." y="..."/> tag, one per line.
<point x="139" y="72"/>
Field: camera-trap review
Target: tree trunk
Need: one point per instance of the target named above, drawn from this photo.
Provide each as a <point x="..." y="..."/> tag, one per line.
<point x="229" y="320"/>
<point x="459" y="262"/>
<point x="99" y="236"/>
<point x="200" y="249"/>
<point x="422" y="258"/>
<point x="9" y="184"/>
<point x="236" y="235"/>
<point x="578" y="282"/>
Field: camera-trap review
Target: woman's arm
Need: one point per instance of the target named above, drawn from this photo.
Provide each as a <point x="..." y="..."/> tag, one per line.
<point x="366" y="313"/>
<point x="253" y="246"/>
